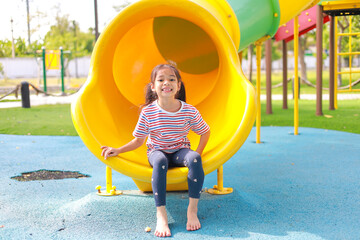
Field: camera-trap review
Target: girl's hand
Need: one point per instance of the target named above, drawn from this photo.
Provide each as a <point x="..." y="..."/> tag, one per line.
<point x="109" y="152"/>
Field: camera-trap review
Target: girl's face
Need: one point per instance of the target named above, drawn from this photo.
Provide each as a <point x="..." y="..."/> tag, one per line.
<point x="166" y="85"/>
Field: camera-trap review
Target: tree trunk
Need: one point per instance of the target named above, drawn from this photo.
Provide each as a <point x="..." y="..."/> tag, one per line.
<point x="302" y="47"/>
<point x="250" y="56"/>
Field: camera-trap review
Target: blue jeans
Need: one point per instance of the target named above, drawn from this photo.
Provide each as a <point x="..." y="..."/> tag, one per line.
<point x="161" y="161"/>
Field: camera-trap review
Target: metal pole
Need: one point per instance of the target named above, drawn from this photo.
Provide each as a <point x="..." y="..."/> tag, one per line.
<point x="12" y="39"/>
<point x="284" y="55"/>
<point x="219" y="188"/>
<point x="250" y="62"/>
<point x="319" y="60"/>
<point x="268" y="76"/>
<point x="296" y="78"/>
<point x="220" y="175"/>
<point x="96" y="21"/>
<point x="350" y="56"/>
<point x="44" y="68"/>
<point x="335" y="62"/>
<point x="75" y="50"/>
<point x="332" y="63"/>
<point x="108" y="179"/>
<point x="28" y="20"/>
<point x="62" y="70"/>
<point x="258" y="103"/>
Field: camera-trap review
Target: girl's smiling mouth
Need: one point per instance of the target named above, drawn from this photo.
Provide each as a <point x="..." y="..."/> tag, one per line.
<point x="167" y="89"/>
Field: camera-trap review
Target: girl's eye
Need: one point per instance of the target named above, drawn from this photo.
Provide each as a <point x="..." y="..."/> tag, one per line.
<point x="160" y="80"/>
<point x="172" y="80"/>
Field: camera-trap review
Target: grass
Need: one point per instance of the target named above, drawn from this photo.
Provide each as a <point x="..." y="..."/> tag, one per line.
<point x="346" y="118"/>
<point x="276" y="78"/>
<point x="39" y="120"/>
<point x="56" y="119"/>
<point x="6" y="100"/>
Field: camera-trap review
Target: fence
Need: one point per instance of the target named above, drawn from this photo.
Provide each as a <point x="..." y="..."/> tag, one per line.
<point x="32" y="68"/>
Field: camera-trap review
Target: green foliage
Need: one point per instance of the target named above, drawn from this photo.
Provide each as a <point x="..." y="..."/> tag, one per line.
<point x="122" y="4"/>
<point x="5" y="48"/>
<point x="66" y="34"/>
<point x="21" y="49"/>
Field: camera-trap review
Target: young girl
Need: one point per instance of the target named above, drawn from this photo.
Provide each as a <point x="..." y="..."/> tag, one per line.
<point x="166" y="120"/>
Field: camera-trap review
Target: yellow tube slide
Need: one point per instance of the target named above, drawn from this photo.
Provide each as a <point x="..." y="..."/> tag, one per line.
<point x="200" y="38"/>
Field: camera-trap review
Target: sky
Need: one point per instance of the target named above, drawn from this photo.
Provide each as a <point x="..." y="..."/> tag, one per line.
<point x="82" y="11"/>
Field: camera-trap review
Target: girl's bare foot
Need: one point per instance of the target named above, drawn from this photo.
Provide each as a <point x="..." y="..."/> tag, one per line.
<point x="162" y="226"/>
<point x="193" y="222"/>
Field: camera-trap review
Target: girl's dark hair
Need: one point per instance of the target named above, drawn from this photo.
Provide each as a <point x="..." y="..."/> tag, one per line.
<point x="151" y="96"/>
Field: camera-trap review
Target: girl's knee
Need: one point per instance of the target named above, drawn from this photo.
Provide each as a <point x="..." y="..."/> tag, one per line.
<point x="158" y="160"/>
<point x="193" y="159"/>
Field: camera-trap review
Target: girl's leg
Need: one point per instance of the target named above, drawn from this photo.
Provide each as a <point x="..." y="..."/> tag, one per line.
<point x="193" y="222"/>
<point x="158" y="160"/>
<point x="162" y="226"/>
<point x="191" y="159"/>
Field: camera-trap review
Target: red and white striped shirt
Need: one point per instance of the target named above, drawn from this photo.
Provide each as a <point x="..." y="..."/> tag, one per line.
<point x="168" y="131"/>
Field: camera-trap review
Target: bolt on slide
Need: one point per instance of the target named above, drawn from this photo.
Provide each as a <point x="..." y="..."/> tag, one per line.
<point x="202" y="37"/>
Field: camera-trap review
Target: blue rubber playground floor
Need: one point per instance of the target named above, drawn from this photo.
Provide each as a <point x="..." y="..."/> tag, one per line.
<point x="289" y="187"/>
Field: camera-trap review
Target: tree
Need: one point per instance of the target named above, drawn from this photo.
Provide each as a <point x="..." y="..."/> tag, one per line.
<point x="21" y="49"/>
<point x="120" y="7"/>
<point x="5" y="48"/>
<point x="65" y="33"/>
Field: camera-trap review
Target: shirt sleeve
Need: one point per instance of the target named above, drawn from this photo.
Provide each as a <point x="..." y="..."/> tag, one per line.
<point x="198" y="125"/>
<point x="142" y="127"/>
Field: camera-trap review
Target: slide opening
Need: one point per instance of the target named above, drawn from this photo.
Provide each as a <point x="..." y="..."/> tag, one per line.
<point x="182" y="43"/>
<point x="165" y="40"/>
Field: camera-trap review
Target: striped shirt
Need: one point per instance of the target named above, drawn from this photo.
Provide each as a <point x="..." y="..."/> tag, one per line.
<point x="168" y="131"/>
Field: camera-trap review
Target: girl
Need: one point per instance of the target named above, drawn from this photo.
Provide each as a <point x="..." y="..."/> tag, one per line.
<point x="166" y="120"/>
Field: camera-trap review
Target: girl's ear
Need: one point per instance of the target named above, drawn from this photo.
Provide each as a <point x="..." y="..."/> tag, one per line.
<point x="152" y="87"/>
<point x="179" y="86"/>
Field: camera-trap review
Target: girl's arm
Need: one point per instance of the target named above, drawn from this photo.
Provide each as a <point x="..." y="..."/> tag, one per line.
<point x="203" y="141"/>
<point x="130" y="146"/>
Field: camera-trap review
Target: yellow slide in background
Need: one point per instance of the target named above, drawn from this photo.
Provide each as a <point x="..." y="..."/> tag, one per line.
<point x="202" y="39"/>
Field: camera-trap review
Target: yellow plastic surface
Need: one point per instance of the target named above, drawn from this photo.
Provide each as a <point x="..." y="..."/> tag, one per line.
<point x="338" y="5"/>
<point x="110" y="194"/>
<point x="200" y="37"/>
<point x="217" y="191"/>
<point x="290" y="9"/>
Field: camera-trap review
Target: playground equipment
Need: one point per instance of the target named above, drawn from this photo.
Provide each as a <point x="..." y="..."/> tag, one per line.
<point x="53" y="59"/>
<point x="203" y="39"/>
<point x="312" y="18"/>
<point x="342" y="9"/>
<point x="301" y="24"/>
<point x="307" y="22"/>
